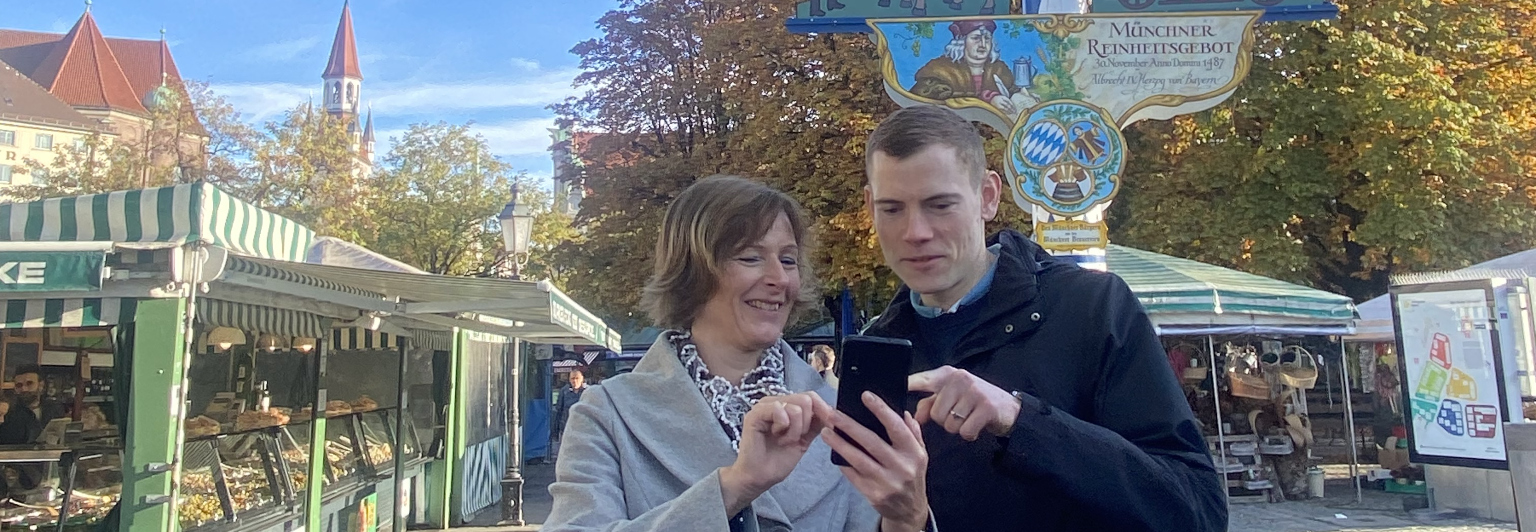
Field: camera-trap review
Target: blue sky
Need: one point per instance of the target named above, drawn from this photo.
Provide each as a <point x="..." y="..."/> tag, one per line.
<point x="495" y="62"/>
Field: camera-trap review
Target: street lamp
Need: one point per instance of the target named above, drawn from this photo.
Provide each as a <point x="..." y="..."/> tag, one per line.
<point x="516" y="232"/>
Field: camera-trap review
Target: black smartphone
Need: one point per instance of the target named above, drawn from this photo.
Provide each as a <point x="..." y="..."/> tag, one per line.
<point x="871" y="364"/>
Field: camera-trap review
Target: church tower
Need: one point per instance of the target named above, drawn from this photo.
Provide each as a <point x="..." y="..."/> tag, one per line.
<point x="343" y="79"/>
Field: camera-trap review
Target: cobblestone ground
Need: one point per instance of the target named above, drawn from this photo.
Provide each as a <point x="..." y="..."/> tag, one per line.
<point x="1378" y="512"/>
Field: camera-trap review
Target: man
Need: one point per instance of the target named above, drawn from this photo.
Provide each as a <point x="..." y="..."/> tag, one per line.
<point x="824" y="361"/>
<point x="970" y="68"/>
<point x="1049" y="402"/>
<point x="22" y="420"/>
<point x="569" y="396"/>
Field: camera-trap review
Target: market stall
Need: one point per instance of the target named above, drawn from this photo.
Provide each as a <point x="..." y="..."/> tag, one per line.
<point x="1244" y="341"/>
<point x="287" y="391"/>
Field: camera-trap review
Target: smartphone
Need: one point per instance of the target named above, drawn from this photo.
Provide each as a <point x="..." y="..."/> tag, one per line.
<point x="872" y="364"/>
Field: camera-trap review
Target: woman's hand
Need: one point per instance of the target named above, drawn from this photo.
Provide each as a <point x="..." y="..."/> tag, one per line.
<point x="774" y="436"/>
<point x="893" y="476"/>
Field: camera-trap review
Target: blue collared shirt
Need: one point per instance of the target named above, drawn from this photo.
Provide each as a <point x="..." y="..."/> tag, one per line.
<point x="976" y="291"/>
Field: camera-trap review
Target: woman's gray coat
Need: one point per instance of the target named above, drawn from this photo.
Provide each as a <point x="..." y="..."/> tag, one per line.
<point x="641" y="452"/>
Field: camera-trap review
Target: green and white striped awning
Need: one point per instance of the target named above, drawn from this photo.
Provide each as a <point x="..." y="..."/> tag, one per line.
<point x="358" y="338"/>
<point x="82" y="312"/>
<point x="1174" y="289"/>
<point x="260" y="319"/>
<point x="195" y="212"/>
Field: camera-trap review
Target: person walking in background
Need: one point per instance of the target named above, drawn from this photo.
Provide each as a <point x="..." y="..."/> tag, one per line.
<point x="824" y="361"/>
<point x="570" y="394"/>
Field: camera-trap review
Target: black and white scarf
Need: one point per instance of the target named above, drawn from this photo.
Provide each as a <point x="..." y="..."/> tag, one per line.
<point x="729" y="402"/>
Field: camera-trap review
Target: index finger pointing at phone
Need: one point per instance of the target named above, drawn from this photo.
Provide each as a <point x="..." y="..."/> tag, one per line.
<point x="929" y="381"/>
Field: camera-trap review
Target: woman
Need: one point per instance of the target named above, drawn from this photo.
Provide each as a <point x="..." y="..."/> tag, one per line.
<point x="716" y="428"/>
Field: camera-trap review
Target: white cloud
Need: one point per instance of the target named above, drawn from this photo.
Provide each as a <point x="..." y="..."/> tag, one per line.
<point x="260" y="102"/>
<point x="61" y="25"/>
<point x="265" y="101"/>
<point x="283" y="51"/>
<point x="524" y="64"/>
<point x="517" y="137"/>
<point x="428" y="98"/>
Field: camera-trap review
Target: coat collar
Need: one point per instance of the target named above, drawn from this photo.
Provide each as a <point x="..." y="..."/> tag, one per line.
<point x="1015" y="285"/>
<point x="664" y="410"/>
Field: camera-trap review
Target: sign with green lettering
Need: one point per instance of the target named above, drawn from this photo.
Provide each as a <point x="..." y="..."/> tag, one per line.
<point x="51" y="271"/>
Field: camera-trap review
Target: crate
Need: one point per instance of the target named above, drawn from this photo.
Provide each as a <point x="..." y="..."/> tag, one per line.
<point x="1411" y="489"/>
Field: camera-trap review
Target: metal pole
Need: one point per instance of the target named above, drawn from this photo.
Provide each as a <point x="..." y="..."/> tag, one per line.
<point x="1221" y="434"/>
<point x="512" y="482"/>
<point x="1349" y="419"/>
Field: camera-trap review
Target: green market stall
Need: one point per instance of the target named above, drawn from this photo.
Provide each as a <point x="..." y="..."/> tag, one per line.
<point x="286" y="391"/>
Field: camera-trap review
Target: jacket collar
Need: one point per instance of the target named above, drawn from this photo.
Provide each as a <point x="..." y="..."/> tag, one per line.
<point x="1016" y="285"/>
<point x="664" y="410"/>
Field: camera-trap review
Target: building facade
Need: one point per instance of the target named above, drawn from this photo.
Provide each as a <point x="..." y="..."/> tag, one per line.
<point x="61" y="89"/>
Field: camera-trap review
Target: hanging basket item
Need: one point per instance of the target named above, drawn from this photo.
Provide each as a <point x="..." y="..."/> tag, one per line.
<point x="1195" y="375"/>
<point x="1244" y="375"/>
<point x="1300" y="428"/>
<point x="1298" y="368"/>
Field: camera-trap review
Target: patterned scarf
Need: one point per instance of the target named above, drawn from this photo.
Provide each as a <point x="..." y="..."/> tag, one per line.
<point x="731" y="403"/>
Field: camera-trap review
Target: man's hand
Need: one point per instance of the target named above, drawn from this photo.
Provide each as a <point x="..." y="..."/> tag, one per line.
<point x="893" y="476"/>
<point x="5" y="408"/>
<point x="774" y="435"/>
<point x="963" y="404"/>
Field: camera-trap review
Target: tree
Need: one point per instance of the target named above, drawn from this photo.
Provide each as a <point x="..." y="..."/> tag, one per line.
<point x="165" y="147"/>
<point x="1397" y="138"/>
<point x="306" y="168"/>
<point x="436" y="199"/>
<point x="683" y="91"/>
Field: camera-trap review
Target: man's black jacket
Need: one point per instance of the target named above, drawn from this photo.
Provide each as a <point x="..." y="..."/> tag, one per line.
<point x="1105" y="439"/>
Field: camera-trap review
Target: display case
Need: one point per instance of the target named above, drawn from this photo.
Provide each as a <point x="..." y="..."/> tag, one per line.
<point x="49" y="485"/>
<point x="242" y="477"/>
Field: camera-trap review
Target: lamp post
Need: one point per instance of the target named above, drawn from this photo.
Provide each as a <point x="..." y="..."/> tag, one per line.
<point x="516" y="231"/>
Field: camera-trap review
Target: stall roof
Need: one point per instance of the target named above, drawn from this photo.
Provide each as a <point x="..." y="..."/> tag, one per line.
<point x="535" y="312"/>
<point x="1189" y="297"/>
<point x="194" y="212"/>
<point x="1376" y="314"/>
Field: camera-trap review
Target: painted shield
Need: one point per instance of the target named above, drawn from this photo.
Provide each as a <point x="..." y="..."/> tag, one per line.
<point x="1066" y="158"/>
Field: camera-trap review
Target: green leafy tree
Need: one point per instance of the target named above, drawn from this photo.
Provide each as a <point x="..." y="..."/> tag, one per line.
<point x="1397" y="138"/>
<point x="304" y="167"/>
<point x="437" y="195"/>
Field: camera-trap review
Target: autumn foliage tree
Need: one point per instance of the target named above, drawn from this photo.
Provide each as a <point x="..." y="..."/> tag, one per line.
<point x="1397" y="138"/>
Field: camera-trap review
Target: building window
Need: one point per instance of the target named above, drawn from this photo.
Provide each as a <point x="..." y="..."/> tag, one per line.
<point x="39" y="176"/>
<point x="44" y="141"/>
<point x="5" y="174"/>
<point x="7" y="137"/>
<point x="79" y="144"/>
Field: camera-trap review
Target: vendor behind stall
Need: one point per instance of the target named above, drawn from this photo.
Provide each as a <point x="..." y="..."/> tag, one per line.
<point x="22" y="419"/>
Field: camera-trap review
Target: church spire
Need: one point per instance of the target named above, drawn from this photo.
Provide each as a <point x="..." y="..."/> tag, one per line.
<point x="343" y="74"/>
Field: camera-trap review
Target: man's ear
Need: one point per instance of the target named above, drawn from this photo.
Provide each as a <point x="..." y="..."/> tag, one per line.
<point x="991" y="194"/>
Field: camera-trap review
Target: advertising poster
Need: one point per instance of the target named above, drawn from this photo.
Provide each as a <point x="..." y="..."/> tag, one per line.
<point x="1451" y="375"/>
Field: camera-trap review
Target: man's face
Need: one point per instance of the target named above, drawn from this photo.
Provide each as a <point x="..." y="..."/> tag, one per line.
<point x="577" y="379"/>
<point x="29" y="386"/>
<point x="978" y="46"/>
<point x="931" y="220"/>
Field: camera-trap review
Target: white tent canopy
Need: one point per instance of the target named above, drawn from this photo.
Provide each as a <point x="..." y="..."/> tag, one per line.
<point x="1375" y="323"/>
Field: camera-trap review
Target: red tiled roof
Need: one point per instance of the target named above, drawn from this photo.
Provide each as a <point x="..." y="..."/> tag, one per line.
<point x="21" y="99"/>
<point x="344" y="61"/>
<point x="83" y="71"/>
<point x="140" y="62"/>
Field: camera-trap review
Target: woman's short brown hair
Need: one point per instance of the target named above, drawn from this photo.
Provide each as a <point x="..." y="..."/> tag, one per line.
<point x="715" y="218"/>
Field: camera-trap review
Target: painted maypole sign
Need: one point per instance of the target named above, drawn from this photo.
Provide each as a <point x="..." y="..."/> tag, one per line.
<point x="1062" y="87"/>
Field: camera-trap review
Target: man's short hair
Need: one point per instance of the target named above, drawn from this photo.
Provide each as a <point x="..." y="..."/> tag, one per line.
<point x="911" y="129"/>
<point x="713" y="219"/>
<point x="821" y="355"/>
<point x="28" y="368"/>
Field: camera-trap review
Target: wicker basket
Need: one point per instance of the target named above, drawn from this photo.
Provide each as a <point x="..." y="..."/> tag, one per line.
<point x="1250" y="386"/>
<point x="1298" y="368"/>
